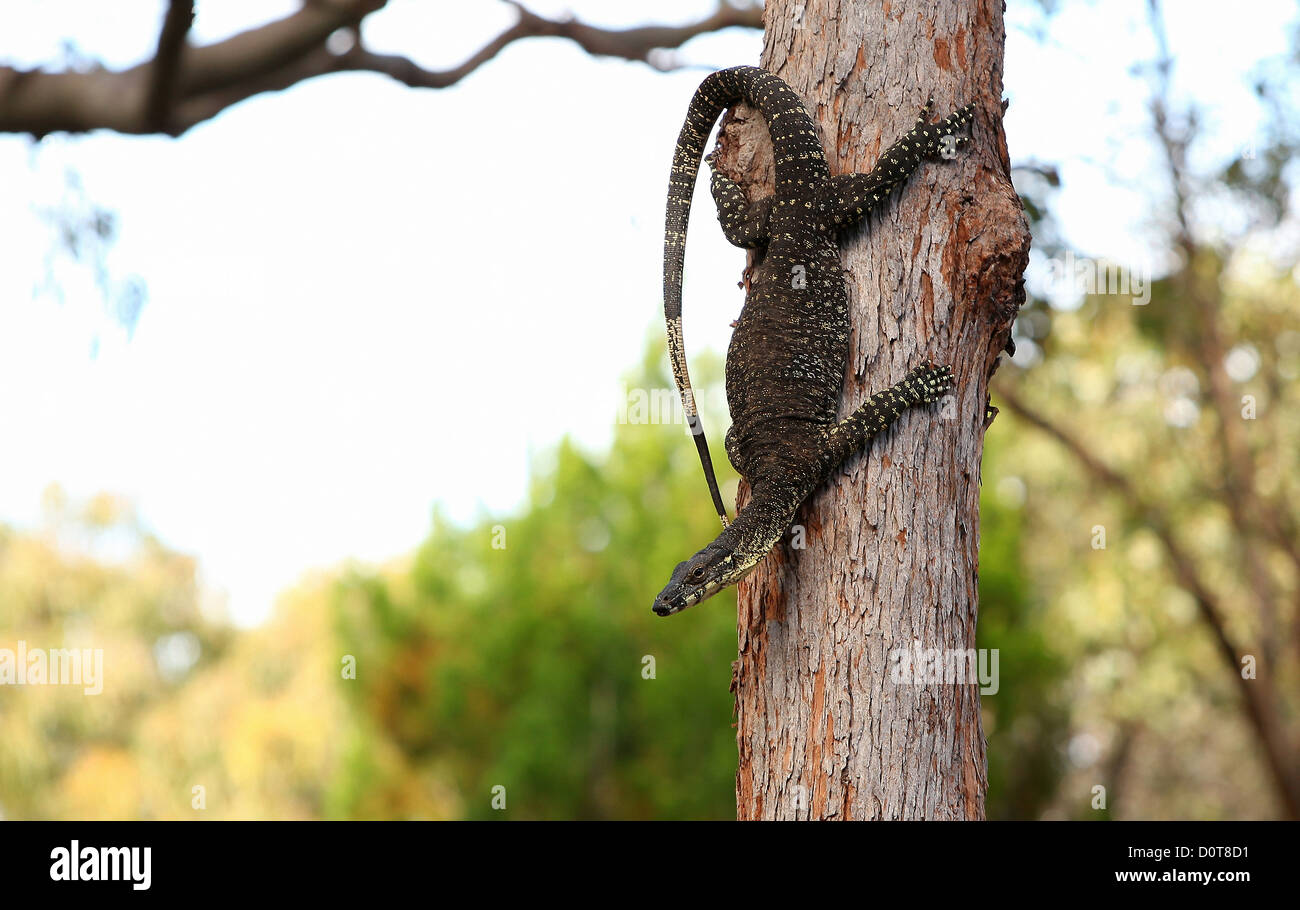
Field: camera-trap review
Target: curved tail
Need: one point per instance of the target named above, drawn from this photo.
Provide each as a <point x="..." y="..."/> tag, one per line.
<point x="798" y="156"/>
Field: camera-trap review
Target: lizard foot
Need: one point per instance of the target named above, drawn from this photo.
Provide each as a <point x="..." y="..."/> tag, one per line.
<point x="936" y="142"/>
<point x="929" y="382"/>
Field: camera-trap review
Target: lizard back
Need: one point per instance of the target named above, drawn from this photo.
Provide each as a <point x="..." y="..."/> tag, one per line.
<point x="800" y="166"/>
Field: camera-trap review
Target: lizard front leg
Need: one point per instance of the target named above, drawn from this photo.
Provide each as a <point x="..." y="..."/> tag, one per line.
<point x="922" y="385"/>
<point x="845" y="199"/>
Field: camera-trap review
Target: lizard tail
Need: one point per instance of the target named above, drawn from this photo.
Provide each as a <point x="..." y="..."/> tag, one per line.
<point x="798" y="156"/>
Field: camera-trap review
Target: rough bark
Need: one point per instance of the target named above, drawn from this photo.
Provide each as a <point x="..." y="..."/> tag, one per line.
<point x="892" y="542"/>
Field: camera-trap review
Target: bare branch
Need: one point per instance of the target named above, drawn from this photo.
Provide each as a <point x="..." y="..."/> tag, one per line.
<point x="166" y="63"/>
<point x="257" y="52"/>
<point x="185" y="85"/>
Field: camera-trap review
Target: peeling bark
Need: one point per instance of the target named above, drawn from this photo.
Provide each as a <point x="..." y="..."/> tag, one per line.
<point x="892" y="542"/>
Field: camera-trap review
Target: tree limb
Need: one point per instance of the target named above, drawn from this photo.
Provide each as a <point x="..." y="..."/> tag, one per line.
<point x="183" y="86"/>
<point x="166" y="63"/>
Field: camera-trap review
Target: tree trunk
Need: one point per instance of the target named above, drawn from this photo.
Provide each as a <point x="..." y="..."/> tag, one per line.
<point x="891" y="544"/>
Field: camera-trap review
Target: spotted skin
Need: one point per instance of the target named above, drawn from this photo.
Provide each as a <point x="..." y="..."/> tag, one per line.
<point x="787" y="357"/>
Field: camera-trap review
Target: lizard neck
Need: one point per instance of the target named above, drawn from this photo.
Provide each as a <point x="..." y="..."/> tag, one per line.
<point x="763" y="522"/>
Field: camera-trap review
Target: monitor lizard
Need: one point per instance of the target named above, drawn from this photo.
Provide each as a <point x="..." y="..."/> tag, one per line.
<point x="787" y="357"/>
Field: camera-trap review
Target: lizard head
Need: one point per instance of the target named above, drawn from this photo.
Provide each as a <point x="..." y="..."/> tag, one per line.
<point x="733" y="553"/>
<point x="700" y="577"/>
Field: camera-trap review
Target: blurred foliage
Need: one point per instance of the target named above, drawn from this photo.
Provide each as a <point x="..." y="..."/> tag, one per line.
<point x="523" y="666"/>
<point x="1156" y="713"/>
<point x="1190" y="398"/>
<point x="1026" y="721"/>
<point x="91" y="578"/>
<point x="534" y="665"/>
<point x="82" y="237"/>
<point x="512" y="653"/>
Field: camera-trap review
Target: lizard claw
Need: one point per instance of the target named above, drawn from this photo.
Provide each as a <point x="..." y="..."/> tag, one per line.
<point x="959" y="118"/>
<point x="923" y="118"/>
<point x="937" y="143"/>
<point x="931" y="382"/>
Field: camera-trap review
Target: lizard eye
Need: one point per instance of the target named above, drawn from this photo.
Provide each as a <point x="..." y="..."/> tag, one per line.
<point x="696" y="574"/>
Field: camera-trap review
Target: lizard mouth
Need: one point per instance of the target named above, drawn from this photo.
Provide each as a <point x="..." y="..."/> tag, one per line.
<point x="663" y="608"/>
<point x="667" y="604"/>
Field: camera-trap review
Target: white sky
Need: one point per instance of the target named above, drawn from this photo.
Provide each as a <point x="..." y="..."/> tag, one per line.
<point x="364" y="299"/>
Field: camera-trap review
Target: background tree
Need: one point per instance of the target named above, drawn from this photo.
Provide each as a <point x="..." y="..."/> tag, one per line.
<point x="92" y="577"/>
<point x="1195" y="401"/>
<point x="892" y="546"/>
